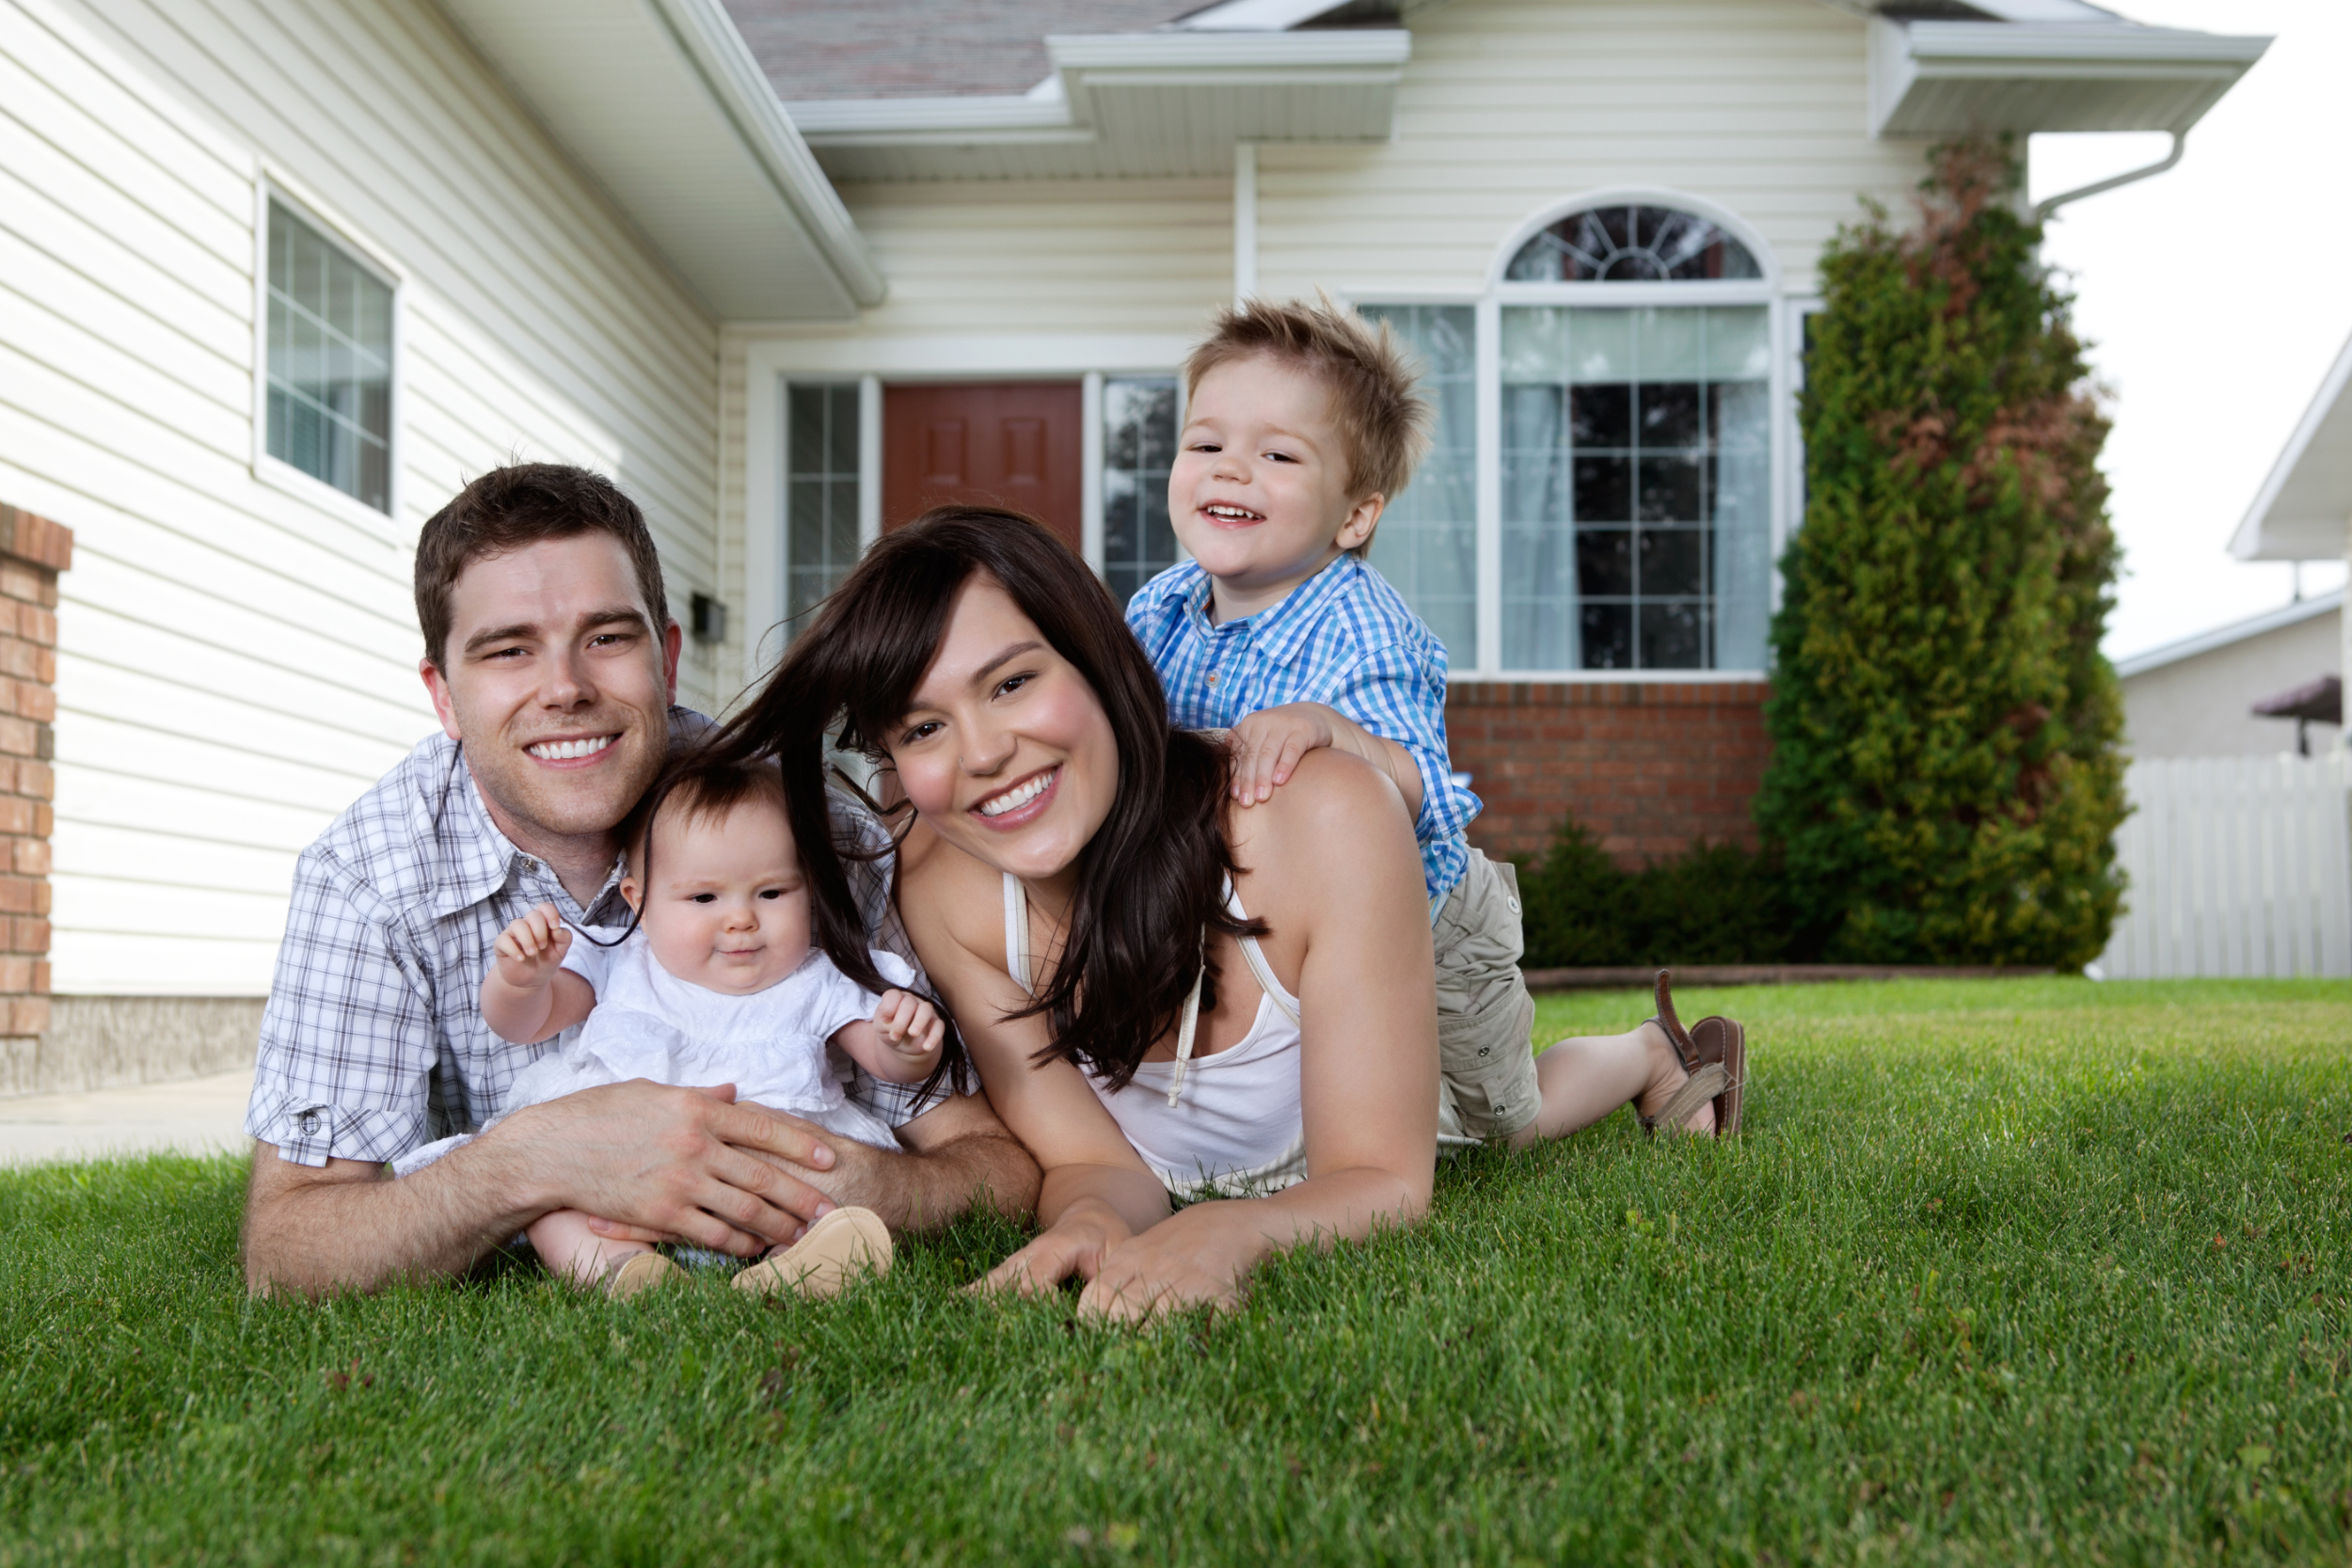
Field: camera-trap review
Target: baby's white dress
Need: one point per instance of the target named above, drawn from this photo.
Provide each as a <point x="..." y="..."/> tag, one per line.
<point x="650" y="1023"/>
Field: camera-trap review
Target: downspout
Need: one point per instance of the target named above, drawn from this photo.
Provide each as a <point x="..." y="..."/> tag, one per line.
<point x="1245" y="221"/>
<point x="2042" y="209"/>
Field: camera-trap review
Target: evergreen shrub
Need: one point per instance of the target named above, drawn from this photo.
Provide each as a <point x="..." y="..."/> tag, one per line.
<point x="1945" y="783"/>
<point x="1712" y="904"/>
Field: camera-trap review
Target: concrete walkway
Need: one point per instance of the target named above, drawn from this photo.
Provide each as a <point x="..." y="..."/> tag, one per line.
<point x="195" y="1115"/>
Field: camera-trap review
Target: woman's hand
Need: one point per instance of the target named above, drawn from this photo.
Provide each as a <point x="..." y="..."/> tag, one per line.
<point x="1079" y="1241"/>
<point x="1199" y="1258"/>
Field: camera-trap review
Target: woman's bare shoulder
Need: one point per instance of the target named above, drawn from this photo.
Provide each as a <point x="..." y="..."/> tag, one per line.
<point x="1334" y="805"/>
<point x="945" y="892"/>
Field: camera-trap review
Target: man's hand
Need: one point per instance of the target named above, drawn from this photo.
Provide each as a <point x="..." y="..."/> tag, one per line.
<point x="685" y="1164"/>
<point x="955" y="1155"/>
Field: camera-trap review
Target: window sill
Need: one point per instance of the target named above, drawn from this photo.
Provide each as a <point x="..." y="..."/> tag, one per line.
<point x="284" y="476"/>
<point x="1606" y="677"/>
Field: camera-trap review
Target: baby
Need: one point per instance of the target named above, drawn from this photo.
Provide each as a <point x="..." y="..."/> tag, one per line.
<point x="715" y="982"/>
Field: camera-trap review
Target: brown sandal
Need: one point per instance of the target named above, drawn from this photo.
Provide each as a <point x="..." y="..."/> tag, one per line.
<point x="1715" y="1053"/>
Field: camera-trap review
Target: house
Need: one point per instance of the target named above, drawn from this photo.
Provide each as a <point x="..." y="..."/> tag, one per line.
<point x="2303" y="512"/>
<point x="277" y="278"/>
<point x="2197" y="697"/>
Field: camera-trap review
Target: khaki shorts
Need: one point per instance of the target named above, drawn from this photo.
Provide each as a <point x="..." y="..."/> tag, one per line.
<point x="1484" y="1012"/>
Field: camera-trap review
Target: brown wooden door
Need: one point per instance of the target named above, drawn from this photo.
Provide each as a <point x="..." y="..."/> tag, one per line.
<point x="1006" y="443"/>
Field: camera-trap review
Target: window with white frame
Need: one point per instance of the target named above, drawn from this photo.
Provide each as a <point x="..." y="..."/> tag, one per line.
<point x="820" y="493"/>
<point x="329" y="363"/>
<point x="1427" y="540"/>
<point x="1138" y="448"/>
<point x="1630" y="521"/>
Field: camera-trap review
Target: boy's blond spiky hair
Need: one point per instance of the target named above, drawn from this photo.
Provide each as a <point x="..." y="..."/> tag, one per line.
<point x="1383" y="423"/>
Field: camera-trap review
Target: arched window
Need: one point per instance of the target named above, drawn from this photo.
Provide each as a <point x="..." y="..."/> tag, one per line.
<point x="1631" y="245"/>
<point x="1620" y="518"/>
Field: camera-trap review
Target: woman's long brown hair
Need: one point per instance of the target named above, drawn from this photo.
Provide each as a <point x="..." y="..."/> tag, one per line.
<point x="1151" y="882"/>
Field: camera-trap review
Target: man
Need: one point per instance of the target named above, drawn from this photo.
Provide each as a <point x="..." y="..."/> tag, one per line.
<point x="552" y="662"/>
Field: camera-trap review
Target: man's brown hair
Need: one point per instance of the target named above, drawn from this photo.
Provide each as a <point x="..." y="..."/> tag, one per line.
<point x="518" y="505"/>
<point x="1383" y="423"/>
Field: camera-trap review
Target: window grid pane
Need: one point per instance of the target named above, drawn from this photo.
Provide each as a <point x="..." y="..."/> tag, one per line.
<point x="1139" y="449"/>
<point x="1427" y="541"/>
<point x="820" y="495"/>
<point x="329" y="377"/>
<point x="1635" y="489"/>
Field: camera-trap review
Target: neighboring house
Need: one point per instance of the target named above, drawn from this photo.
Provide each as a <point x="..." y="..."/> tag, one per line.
<point x="2304" y="509"/>
<point x="2195" y="698"/>
<point x="276" y="278"/>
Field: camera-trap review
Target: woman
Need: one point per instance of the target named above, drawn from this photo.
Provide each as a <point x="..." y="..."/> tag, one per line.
<point x="1162" y="994"/>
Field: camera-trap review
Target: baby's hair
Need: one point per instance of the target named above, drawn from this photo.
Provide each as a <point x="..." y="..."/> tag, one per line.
<point x="1383" y="423"/>
<point x="700" y="788"/>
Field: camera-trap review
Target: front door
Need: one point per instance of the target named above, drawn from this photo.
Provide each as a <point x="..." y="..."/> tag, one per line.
<point x="1004" y="443"/>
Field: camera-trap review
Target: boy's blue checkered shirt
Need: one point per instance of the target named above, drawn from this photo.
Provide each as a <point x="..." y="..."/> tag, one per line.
<point x="1343" y="638"/>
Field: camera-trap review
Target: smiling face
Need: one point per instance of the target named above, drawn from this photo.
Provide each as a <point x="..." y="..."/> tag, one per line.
<point x="558" y="685"/>
<point x="725" y="909"/>
<point x="1005" y="748"/>
<point x="1258" y="493"/>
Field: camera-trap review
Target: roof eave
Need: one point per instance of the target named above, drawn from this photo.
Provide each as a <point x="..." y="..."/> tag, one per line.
<point x="1953" y="78"/>
<point x="638" y="92"/>
<point x="2303" y="511"/>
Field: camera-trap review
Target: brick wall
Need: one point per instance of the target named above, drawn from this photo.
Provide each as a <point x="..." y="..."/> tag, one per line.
<point x="33" y="550"/>
<point x="1648" y="766"/>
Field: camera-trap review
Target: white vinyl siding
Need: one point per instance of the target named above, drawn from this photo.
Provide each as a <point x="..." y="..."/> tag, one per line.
<point x="237" y="654"/>
<point x="1056" y="256"/>
<point x="1509" y="106"/>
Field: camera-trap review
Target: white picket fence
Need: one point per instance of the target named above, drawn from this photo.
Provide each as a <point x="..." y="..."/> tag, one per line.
<point x="2239" y="866"/>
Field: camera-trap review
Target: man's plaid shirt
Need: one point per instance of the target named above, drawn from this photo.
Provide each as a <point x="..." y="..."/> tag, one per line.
<point x="372" y="1041"/>
<point x="1343" y="638"/>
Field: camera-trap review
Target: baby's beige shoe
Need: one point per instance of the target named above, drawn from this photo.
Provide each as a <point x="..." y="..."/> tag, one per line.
<point x="820" y="1263"/>
<point x="646" y="1271"/>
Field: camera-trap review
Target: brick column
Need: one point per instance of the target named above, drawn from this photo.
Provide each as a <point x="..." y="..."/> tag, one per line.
<point x="33" y="550"/>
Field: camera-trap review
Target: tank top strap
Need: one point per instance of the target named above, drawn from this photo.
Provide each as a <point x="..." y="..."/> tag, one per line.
<point x="1284" y="1002"/>
<point x="1017" y="933"/>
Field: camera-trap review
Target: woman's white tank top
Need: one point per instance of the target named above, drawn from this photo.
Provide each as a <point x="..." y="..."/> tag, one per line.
<point x="1228" y="1124"/>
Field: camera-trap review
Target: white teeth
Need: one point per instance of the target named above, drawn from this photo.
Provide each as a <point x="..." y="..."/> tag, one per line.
<point x="561" y="750"/>
<point x="1019" y="795"/>
<point x="1238" y="514"/>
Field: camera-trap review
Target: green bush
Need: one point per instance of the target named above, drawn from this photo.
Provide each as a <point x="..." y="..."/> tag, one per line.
<point x="1712" y="904"/>
<point x="1945" y="783"/>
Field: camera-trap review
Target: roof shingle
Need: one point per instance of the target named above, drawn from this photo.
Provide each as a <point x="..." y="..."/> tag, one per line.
<point x="815" y="49"/>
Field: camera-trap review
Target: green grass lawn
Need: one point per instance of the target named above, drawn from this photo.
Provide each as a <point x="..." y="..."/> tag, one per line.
<point x="2002" y="1271"/>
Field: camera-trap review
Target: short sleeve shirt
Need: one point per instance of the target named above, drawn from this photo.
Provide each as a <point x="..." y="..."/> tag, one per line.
<point x="372" y="1042"/>
<point x="1344" y="637"/>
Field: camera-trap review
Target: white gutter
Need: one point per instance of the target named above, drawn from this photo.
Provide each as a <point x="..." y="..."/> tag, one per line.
<point x="2073" y="44"/>
<point x="741" y="90"/>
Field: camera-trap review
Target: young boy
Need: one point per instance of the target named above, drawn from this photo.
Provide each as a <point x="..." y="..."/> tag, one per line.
<point x="1300" y="424"/>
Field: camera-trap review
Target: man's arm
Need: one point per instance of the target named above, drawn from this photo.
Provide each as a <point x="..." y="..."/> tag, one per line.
<point x="683" y="1162"/>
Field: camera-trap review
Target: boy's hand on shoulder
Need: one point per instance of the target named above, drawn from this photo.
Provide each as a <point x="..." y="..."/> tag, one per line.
<point x="530" y="951"/>
<point x="1267" y="745"/>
